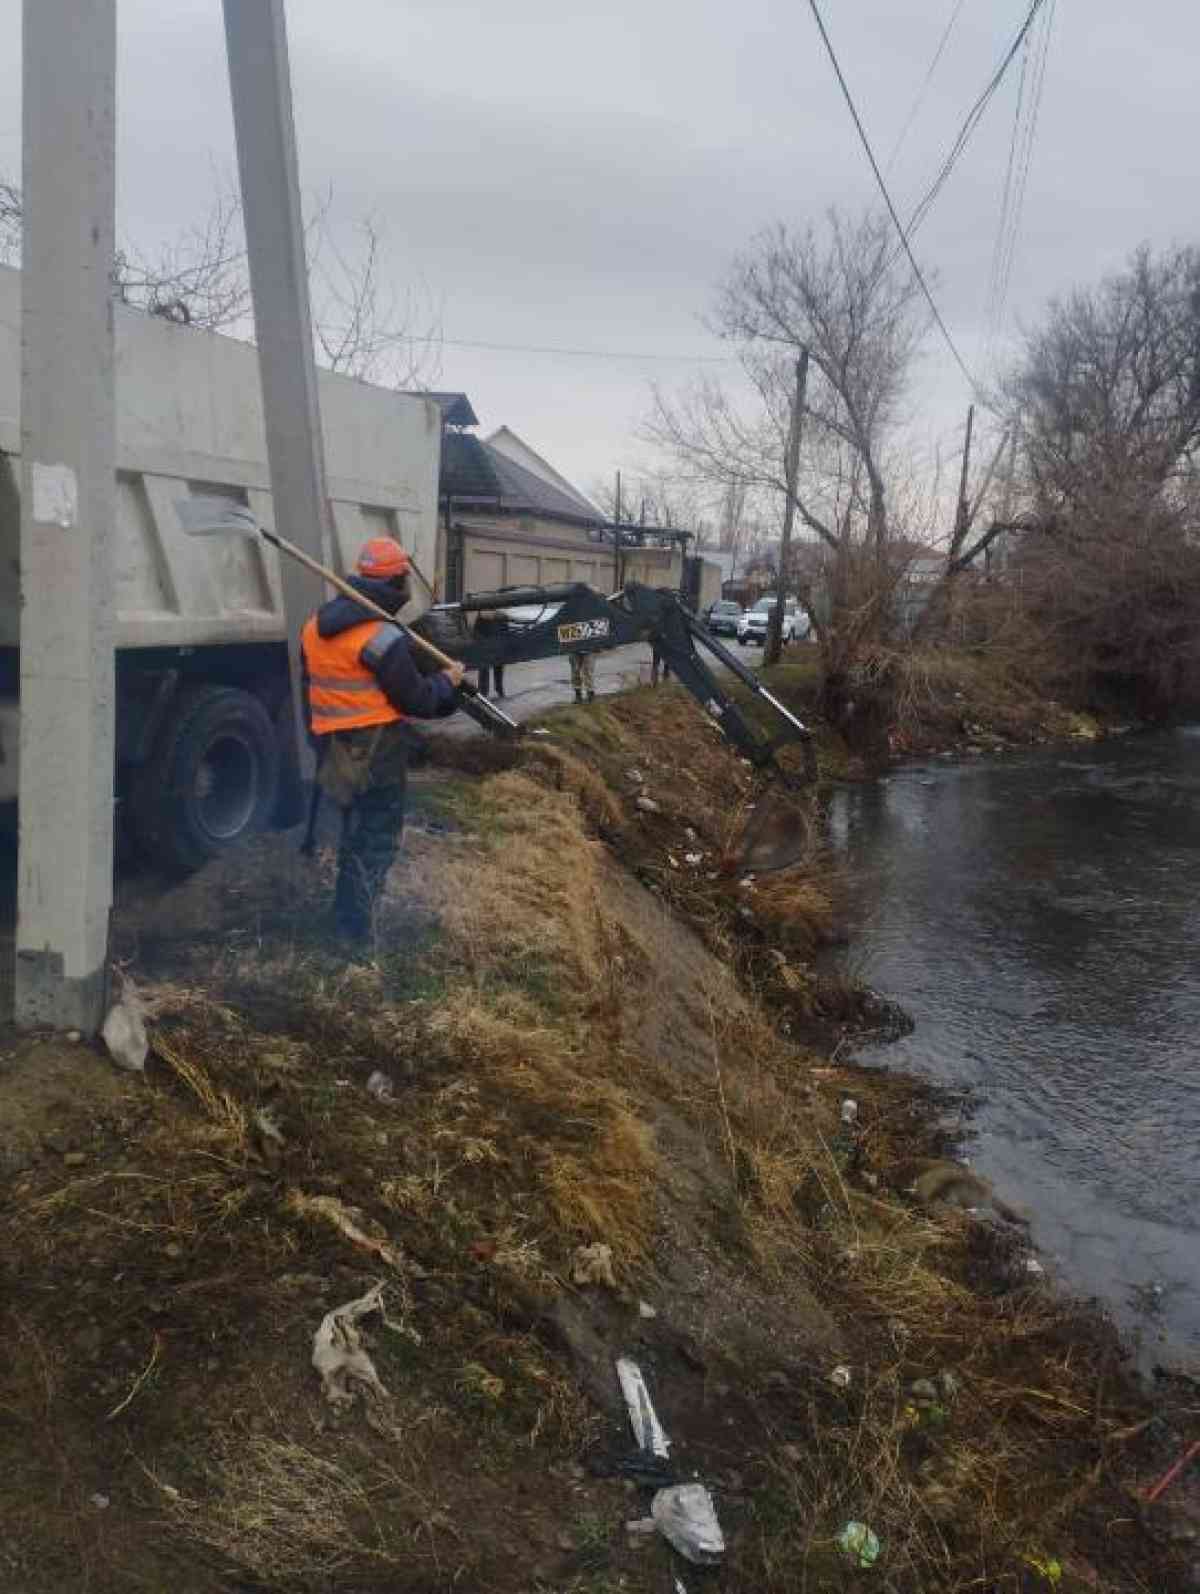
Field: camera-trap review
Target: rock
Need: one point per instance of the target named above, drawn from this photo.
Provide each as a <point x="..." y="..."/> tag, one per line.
<point x="924" y="1389"/>
<point x="74" y="1159"/>
<point x="646" y="1310"/>
<point x="634" y="775"/>
<point x="647" y="805"/>
<point x="74" y="1036"/>
<point x="100" y="1501"/>
<point x="173" y="1250"/>
<point x="380" y="1086"/>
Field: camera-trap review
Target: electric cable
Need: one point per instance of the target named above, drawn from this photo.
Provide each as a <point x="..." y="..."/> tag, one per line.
<point x="887" y="198"/>
<point x="924" y="89"/>
<point x="972" y="120"/>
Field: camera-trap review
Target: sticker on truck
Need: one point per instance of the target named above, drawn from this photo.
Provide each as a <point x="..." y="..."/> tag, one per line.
<point x="582" y="631"/>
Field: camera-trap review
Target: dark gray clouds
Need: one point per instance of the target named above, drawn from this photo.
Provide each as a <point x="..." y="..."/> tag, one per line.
<point x="580" y="177"/>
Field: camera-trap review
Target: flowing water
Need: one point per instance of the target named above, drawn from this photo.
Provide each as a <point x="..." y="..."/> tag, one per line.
<point x="1039" y="918"/>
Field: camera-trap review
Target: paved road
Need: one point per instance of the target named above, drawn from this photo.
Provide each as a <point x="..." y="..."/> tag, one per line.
<point x="532" y="688"/>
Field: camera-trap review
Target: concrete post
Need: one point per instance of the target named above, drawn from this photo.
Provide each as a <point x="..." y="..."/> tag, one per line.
<point x="260" y="81"/>
<point x="68" y="501"/>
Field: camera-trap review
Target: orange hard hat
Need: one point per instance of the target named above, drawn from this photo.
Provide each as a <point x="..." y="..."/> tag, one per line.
<point x="382" y="558"/>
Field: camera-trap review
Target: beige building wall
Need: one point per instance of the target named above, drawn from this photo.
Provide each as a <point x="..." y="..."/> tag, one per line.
<point x="526" y="551"/>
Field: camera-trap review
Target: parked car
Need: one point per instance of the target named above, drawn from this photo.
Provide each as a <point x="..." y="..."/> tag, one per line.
<point x="752" y="627"/>
<point x="723" y="617"/>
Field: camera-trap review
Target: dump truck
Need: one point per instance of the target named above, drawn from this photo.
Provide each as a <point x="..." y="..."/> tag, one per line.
<point x="205" y="747"/>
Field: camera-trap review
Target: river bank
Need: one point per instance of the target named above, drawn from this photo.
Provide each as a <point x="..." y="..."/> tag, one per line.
<point x="576" y="1032"/>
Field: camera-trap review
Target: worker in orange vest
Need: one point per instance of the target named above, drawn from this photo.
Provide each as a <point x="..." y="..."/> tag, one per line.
<point x="360" y="686"/>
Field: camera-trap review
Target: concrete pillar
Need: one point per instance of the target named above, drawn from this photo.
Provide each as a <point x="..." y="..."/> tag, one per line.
<point x="260" y="82"/>
<point x="68" y="497"/>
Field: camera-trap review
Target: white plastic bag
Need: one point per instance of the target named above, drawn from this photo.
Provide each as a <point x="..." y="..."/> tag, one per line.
<point x="687" y="1519"/>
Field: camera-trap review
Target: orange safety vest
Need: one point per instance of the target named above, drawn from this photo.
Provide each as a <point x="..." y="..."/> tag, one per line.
<point x="343" y="694"/>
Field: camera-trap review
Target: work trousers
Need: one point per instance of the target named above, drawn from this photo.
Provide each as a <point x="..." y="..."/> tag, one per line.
<point x="583" y="673"/>
<point x="372" y="827"/>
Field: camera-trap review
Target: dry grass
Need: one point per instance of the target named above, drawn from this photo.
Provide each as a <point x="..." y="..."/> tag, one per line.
<point x="567" y="1066"/>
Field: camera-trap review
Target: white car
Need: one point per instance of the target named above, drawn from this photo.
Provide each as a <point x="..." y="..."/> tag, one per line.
<point x="752" y="627"/>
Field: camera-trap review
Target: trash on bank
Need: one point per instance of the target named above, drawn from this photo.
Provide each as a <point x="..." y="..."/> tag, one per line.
<point x="643" y="1419"/>
<point x="1046" y="1567"/>
<point x="647" y="805"/>
<point x="860" y="1543"/>
<point x="841" y="1377"/>
<point x="1168" y="1478"/>
<point x="338" y="1355"/>
<point x="124" y="1029"/>
<point x="849" y="1111"/>
<point x="380" y="1086"/>
<point x="593" y="1264"/>
<point x="687" y="1519"/>
<point x="347" y="1222"/>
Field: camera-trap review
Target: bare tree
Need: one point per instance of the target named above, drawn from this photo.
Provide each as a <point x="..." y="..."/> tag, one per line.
<point x="200" y="279"/>
<point x="1106" y="410"/>
<point x="1108" y="391"/>
<point x="362" y="325"/>
<point x="10" y="223"/>
<point x="841" y="293"/>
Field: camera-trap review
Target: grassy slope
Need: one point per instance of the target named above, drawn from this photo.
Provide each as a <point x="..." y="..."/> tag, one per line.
<point x="575" y="1058"/>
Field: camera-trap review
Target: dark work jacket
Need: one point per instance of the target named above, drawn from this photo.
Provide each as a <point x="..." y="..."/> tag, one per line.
<point x="425" y="697"/>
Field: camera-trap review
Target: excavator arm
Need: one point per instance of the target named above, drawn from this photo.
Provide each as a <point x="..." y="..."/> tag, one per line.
<point x="572" y="617"/>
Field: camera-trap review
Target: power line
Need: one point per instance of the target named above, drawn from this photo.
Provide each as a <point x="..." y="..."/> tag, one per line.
<point x="1014" y="154"/>
<point x="579" y="354"/>
<point x="924" y="89"/>
<point x="1042" y="51"/>
<point x="972" y="120"/>
<point x="887" y="198"/>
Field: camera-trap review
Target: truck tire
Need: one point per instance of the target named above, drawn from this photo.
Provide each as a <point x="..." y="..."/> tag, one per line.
<point x="212" y="779"/>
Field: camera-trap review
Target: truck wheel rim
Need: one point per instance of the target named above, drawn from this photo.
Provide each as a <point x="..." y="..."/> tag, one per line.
<point x="226" y="790"/>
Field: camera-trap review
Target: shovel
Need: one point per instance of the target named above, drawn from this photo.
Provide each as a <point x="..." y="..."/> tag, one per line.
<point x="217" y="517"/>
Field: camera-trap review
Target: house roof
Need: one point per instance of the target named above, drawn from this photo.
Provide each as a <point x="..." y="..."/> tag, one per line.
<point x="505" y="441"/>
<point x="475" y="471"/>
<point x="455" y="407"/>
<point x="466" y="470"/>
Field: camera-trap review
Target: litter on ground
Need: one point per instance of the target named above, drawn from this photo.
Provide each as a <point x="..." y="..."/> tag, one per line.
<point x="338" y="1355"/>
<point x="687" y="1519"/>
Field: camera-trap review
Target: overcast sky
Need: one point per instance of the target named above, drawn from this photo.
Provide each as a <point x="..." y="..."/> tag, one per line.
<point x="575" y="177"/>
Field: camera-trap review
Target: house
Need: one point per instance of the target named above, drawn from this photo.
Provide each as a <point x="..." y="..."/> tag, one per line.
<point x="510" y="519"/>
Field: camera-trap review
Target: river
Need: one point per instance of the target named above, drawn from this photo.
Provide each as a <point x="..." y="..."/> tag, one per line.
<point x="1039" y="917"/>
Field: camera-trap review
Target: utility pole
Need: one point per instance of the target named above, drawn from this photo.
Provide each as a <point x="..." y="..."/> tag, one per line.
<point x="962" y="513"/>
<point x="260" y="83"/>
<point x="618" y="572"/>
<point x="68" y="510"/>
<point x="774" y="644"/>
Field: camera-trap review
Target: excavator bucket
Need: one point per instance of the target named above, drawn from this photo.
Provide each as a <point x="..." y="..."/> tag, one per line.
<point x="776" y="834"/>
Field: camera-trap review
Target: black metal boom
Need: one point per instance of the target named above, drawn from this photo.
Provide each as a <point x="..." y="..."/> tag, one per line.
<point x="571" y="617"/>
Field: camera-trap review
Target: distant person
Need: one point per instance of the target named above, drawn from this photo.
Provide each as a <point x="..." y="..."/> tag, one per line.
<point x="360" y="688"/>
<point x="583" y="676"/>
<point x="488" y="626"/>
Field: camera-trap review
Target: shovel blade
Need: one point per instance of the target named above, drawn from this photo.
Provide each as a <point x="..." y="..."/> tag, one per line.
<point x="778" y="834"/>
<point x="203" y="516"/>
